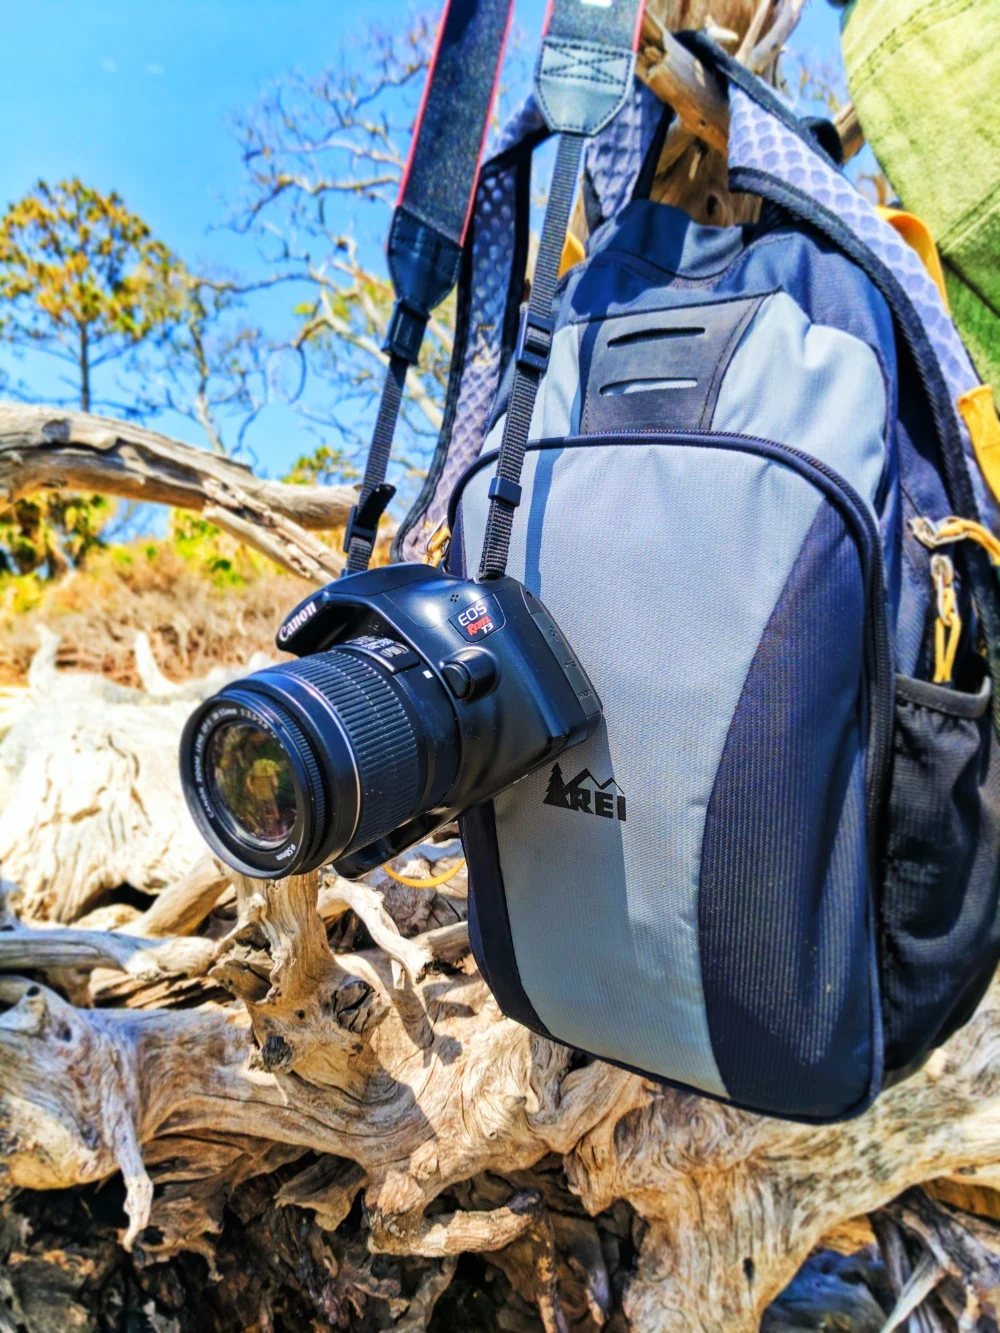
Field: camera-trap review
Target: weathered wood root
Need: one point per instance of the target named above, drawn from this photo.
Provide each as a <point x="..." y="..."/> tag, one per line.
<point x="950" y="1244"/>
<point x="422" y="1086"/>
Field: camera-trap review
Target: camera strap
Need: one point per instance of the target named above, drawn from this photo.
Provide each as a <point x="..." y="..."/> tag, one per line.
<point x="424" y="247"/>
<point x="583" y="76"/>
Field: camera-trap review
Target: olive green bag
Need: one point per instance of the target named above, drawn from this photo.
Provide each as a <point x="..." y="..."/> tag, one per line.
<point x="925" y="78"/>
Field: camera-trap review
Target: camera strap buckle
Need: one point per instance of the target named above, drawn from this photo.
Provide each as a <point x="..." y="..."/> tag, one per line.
<point x="364" y="518"/>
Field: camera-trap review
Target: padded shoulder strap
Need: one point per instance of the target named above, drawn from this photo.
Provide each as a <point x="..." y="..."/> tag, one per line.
<point x="771" y="155"/>
<point x="490" y="288"/>
<point x="491" y="283"/>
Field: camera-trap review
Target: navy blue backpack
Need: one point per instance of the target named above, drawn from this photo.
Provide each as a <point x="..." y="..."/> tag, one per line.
<point x="751" y="503"/>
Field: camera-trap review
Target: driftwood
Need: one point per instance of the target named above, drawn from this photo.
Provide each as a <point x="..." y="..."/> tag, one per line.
<point x="48" y="449"/>
<point x="679" y="78"/>
<point x="89" y="794"/>
<point x="384" y="1067"/>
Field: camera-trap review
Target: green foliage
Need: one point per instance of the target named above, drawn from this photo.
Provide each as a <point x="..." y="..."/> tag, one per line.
<point x="82" y="277"/>
<point x="325" y="466"/>
<point x="210" y="552"/>
<point x="48" y="534"/>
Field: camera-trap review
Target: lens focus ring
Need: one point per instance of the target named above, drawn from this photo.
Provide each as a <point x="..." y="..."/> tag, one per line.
<point x="381" y="734"/>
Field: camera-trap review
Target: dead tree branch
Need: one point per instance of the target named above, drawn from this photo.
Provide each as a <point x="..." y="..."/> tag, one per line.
<point x="43" y="448"/>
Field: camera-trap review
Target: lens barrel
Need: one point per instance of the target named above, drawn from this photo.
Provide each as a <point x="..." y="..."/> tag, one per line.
<point x="293" y="766"/>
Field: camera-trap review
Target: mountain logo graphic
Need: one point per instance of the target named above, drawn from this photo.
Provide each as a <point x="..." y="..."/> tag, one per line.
<point x="585" y="793"/>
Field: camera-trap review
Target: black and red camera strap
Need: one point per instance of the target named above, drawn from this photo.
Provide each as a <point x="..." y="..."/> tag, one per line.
<point x="584" y="74"/>
<point x="424" y="247"/>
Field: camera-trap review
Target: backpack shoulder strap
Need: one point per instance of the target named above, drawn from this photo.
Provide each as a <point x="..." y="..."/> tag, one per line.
<point x="490" y="286"/>
<point x="771" y="155"/>
<point x="492" y="280"/>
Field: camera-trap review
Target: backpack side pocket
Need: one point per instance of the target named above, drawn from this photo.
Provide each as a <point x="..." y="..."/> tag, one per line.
<point x="940" y="932"/>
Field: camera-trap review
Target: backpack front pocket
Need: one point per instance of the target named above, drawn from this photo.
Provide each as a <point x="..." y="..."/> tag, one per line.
<point x="688" y="893"/>
<point x="940" y="933"/>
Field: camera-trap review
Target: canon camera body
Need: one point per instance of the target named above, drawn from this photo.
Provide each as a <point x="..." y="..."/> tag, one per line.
<point x="416" y="696"/>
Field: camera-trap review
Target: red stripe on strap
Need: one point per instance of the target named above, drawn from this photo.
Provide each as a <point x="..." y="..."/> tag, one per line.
<point x="423" y="102"/>
<point x="638" y="25"/>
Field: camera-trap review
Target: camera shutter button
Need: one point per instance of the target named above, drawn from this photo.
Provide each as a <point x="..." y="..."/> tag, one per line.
<point x="470" y="674"/>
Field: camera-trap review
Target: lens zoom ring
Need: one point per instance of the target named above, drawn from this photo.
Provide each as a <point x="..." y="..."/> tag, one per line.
<point x="381" y="734"/>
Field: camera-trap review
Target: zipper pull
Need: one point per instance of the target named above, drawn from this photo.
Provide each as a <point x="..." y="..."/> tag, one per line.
<point x="439" y="544"/>
<point x="948" y="530"/>
<point x="948" y="626"/>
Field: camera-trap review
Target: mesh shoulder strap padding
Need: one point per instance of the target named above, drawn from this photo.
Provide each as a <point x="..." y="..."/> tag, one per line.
<point x="771" y="157"/>
<point x="491" y="283"/>
<point x="489" y="294"/>
<point x="614" y="159"/>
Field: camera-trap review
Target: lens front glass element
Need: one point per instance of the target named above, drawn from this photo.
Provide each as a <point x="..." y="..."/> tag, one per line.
<point x="251" y="784"/>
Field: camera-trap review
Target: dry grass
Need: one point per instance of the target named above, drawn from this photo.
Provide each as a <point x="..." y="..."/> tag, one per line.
<point x="194" y="621"/>
<point x="203" y="599"/>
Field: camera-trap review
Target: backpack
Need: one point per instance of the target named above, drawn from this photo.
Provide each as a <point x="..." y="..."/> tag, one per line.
<point x="752" y="505"/>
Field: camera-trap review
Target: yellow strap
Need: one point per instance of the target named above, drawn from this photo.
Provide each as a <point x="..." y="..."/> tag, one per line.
<point x="573" y="253"/>
<point x="977" y="407"/>
<point x="437" y="547"/>
<point x="434" y="883"/>
<point x="980" y="415"/>
<point x="917" y="236"/>
<point x="945" y="650"/>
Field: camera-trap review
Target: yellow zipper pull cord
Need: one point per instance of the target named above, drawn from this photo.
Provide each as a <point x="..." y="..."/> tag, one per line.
<point x="948" y="626"/>
<point x="948" y="530"/>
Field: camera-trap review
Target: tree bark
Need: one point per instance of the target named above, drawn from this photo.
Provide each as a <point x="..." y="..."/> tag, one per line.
<point x="84" y="369"/>
<point x="47" y="448"/>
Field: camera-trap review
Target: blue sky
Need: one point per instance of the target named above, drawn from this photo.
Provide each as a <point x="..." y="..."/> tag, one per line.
<point x="139" y="97"/>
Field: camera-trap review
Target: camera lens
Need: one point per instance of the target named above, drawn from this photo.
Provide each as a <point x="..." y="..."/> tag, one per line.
<point x="251" y="781"/>
<point x="300" y="763"/>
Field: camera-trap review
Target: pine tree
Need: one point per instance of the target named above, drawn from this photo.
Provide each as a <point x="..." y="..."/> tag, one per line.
<point x="556" y="793"/>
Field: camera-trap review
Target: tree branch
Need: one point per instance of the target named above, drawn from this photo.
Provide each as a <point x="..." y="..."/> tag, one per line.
<point x="46" y="449"/>
<point x="680" y="79"/>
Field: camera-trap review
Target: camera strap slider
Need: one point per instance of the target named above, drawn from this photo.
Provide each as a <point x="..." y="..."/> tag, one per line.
<point x="505" y="491"/>
<point x="364" y="518"/>
<point x="534" y="341"/>
<point x="405" y="334"/>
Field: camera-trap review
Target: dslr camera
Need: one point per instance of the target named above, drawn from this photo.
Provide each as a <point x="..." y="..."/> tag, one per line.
<point x="416" y="695"/>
